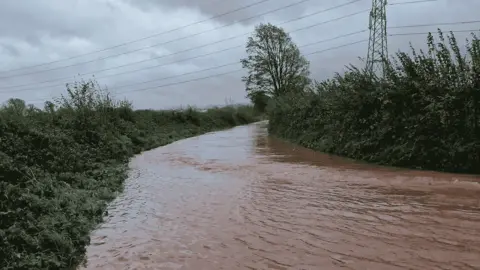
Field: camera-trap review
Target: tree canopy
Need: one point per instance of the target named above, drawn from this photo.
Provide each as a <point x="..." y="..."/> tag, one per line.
<point x="274" y="63"/>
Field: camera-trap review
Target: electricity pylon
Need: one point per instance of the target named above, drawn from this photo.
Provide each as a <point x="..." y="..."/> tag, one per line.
<point x="377" y="43"/>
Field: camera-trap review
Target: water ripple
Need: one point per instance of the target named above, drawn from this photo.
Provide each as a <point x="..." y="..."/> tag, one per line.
<point x="238" y="199"/>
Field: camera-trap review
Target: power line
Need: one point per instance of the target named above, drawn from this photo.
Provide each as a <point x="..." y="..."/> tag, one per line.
<point x="147" y="37"/>
<point x="232" y="63"/>
<point x="182" y="82"/>
<point x="426" y="33"/>
<point x="235" y="62"/>
<point x="238" y="70"/>
<point x="289" y="21"/>
<point x="216" y="42"/>
<point x="164" y="43"/>
<point x="218" y="51"/>
<point x="226" y="73"/>
<point x="199" y="56"/>
<point x="228" y="64"/>
<point x="364" y="30"/>
<point x="412" y="2"/>
<point x="191" y="58"/>
<point x="126" y="72"/>
<point x="179" y="75"/>
<point x="433" y="24"/>
<point x="199" y="33"/>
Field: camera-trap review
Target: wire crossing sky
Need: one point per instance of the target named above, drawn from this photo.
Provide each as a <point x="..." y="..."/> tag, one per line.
<point x="163" y="55"/>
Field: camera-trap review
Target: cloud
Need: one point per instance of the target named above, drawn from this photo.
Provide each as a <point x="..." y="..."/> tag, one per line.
<point x="50" y="30"/>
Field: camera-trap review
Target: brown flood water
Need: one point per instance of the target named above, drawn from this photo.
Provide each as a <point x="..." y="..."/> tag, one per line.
<point x="237" y="199"/>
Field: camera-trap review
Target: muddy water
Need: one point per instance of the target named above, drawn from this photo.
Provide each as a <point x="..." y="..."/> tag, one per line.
<point x="239" y="200"/>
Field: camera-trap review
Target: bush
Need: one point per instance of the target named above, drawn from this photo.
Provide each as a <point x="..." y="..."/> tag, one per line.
<point x="60" y="166"/>
<point x="423" y="114"/>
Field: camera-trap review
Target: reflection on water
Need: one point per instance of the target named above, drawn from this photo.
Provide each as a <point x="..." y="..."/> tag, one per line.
<point x="237" y="199"/>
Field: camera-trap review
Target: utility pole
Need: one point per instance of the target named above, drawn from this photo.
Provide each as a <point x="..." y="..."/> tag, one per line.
<point x="377" y="43"/>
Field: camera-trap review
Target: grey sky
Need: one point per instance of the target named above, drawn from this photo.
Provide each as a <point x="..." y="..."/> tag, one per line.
<point x="35" y="32"/>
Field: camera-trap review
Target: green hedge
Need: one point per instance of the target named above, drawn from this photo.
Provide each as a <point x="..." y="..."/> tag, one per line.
<point x="424" y="114"/>
<point x="60" y="166"/>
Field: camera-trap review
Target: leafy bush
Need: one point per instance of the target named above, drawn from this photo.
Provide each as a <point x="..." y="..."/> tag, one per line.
<point x="423" y="114"/>
<point x="60" y="166"/>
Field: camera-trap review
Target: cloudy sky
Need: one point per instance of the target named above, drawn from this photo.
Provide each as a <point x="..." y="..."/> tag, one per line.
<point x="170" y="45"/>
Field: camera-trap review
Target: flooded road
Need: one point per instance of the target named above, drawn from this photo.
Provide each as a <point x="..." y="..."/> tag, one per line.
<point x="237" y="199"/>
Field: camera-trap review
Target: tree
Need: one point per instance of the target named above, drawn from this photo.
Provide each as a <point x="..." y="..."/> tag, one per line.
<point x="274" y="63"/>
<point x="16" y="106"/>
<point x="259" y="99"/>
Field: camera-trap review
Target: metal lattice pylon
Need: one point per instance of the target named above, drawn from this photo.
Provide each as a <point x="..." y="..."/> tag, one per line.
<point x="377" y="43"/>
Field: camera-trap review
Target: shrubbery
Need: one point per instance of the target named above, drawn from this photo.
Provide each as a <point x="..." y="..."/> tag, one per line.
<point x="59" y="167"/>
<point x="424" y="114"/>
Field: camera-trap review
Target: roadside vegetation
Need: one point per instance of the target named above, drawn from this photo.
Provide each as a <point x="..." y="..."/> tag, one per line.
<point x="61" y="165"/>
<point x="424" y="113"/>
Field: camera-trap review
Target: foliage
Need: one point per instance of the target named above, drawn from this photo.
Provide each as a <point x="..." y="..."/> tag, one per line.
<point x="274" y="64"/>
<point x="260" y="100"/>
<point x="424" y="114"/>
<point x="60" y="166"/>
